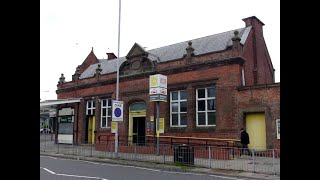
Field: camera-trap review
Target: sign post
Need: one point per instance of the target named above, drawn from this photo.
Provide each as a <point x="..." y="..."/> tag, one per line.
<point x="158" y="92"/>
<point x="117" y="115"/>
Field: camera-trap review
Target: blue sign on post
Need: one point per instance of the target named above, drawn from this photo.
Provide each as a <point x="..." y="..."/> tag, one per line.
<point x="117" y="109"/>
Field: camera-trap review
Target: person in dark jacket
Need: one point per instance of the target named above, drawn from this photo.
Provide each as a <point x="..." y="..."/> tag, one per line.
<point x="244" y="141"/>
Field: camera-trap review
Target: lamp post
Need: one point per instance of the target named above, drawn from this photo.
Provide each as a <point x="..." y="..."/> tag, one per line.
<point x="117" y="85"/>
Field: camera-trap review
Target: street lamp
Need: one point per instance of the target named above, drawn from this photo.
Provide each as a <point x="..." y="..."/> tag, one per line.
<point x="117" y="85"/>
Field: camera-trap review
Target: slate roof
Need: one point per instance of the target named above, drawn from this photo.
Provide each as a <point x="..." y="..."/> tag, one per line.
<point x="207" y="44"/>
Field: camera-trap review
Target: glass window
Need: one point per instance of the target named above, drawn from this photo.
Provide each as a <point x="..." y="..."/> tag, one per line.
<point x="105" y="112"/>
<point x="175" y="95"/>
<point x="90" y="107"/>
<point x="201" y="118"/>
<point x="178" y="108"/>
<point x="175" y="119"/>
<point x="183" y="119"/>
<point x="174" y="107"/>
<point x="211" y="92"/>
<point x="201" y="93"/>
<point x="183" y="106"/>
<point x="139" y="106"/>
<point x="183" y="95"/>
<point x="211" y="104"/>
<point x="202" y="105"/>
<point x="206" y="107"/>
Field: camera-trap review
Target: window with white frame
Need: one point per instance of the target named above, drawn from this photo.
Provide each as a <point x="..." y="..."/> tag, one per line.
<point x="91" y="106"/>
<point x="206" y="110"/>
<point x="105" y="112"/>
<point x="178" y="108"/>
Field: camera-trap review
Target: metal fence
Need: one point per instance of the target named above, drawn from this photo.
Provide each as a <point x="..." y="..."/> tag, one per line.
<point x="265" y="161"/>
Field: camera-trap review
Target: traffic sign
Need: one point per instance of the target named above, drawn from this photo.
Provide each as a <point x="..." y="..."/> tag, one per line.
<point x="117" y="110"/>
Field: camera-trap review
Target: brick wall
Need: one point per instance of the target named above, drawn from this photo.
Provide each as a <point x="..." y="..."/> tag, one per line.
<point x="260" y="98"/>
<point x="258" y="62"/>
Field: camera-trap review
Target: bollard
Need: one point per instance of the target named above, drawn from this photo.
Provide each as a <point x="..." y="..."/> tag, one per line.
<point x="254" y="170"/>
<point x="135" y="151"/>
<point x="45" y="143"/>
<point x="164" y="155"/>
<point x="273" y="168"/>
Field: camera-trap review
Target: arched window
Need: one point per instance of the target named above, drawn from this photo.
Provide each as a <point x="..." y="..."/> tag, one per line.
<point x="138" y="106"/>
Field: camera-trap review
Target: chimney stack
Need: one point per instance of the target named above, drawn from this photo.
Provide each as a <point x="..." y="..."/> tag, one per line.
<point x="253" y="21"/>
<point x="111" y="56"/>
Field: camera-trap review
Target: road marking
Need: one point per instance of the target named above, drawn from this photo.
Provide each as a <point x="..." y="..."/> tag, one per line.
<point x="80" y="176"/>
<point x="49" y="157"/>
<point x="90" y="162"/>
<point x="48" y="170"/>
<point x="146" y="169"/>
<point x="225" y="177"/>
<point x="71" y="175"/>
<point x="184" y="173"/>
<point x="117" y="165"/>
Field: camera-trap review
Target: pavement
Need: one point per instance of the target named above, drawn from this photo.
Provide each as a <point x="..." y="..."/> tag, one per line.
<point x="168" y="167"/>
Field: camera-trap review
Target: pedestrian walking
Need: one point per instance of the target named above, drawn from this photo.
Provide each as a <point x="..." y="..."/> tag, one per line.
<point x="244" y="139"/>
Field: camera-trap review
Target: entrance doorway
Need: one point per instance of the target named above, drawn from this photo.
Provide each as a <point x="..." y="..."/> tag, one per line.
<point x="256" y="128"/>
<point x="139" y="130"/>
<point x="91" y="129"/>
<point x="137" y="123"/>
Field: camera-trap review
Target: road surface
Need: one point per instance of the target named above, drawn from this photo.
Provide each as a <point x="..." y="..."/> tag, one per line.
<point x="52" y="168"/>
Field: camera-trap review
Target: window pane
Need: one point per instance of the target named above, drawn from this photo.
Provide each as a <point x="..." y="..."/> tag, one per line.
<point x="109" y="121"/>
<point x="109" y="112"/>
<point x="94" y="104"/>
<point x="104" y="112"/>
<point x="201" y="93"/>
<point x="174" y="107"/>
<point x="89" y="112"/>
<point x="183" y="95"/>
<point x="201" y="118"/>
<point x="183" y="106"/>
<point x="174" y="119"/>
<point x="104" y="102"/>
<point x="139" y="106"/>
<point x="174" y="95"/>
<point x="201" y="105"/>
<point x="211" y="92"/>
<point x="211" y="105"/>
<point x="104" y="122"/>
<point x="109" y="102"/>
<point x="211" y="118"/>
<point x="183" y="119"/>
<point x="89" y="104"/>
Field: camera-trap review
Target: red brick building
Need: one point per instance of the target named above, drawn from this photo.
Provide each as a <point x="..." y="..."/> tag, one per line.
<point x="216" y="85"/>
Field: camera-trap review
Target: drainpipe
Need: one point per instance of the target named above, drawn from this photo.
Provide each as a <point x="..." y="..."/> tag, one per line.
<point x="77" y="123"/>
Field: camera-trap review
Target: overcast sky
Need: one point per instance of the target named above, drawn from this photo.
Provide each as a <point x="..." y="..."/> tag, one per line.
<point x="70" y="28"/>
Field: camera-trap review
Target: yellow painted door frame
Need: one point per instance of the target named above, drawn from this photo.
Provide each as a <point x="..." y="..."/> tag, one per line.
<point x="133" y="114"/>
<point x="256" y="128"/>
<point x="91" y="129"/>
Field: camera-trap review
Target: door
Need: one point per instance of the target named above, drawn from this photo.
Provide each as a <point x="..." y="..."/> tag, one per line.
<point x="139" y="130"/>
<point x="91" y="129"/>
<point x="256" y="128"/>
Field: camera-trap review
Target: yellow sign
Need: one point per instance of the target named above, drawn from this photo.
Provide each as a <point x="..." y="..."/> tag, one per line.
<point x="154" y="81"/>
<point x="113" y="126"/>
<point x="161" y="125"/>
<point x="158" y="80"/>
